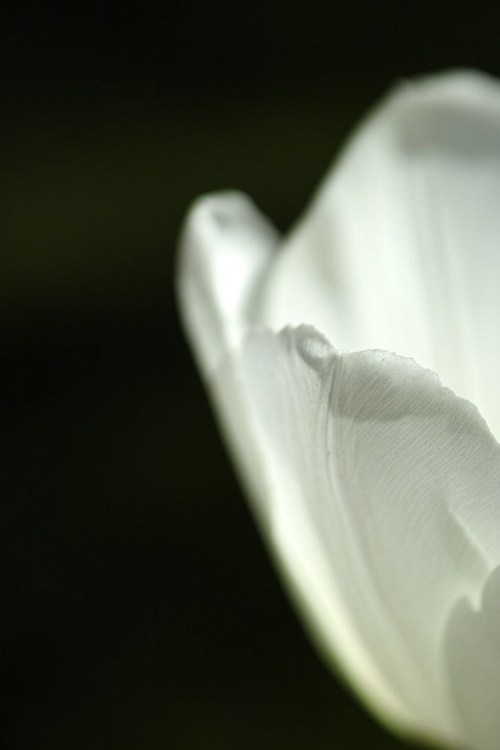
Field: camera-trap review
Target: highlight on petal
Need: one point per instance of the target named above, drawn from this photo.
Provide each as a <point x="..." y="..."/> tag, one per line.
<point x="400" y="249"/>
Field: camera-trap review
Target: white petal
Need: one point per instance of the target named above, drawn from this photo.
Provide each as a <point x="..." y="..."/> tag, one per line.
<point x="226" y="246"/>
<point x="376" y="487"/>
<point x="381" y="487"/>
<point x="473" y="651"/>
<point x="401" y="248"/>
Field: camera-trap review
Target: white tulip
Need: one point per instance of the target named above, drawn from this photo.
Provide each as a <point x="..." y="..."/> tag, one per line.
<point x="355" y="368"/>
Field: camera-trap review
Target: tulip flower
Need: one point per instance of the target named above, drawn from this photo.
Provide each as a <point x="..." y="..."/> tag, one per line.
<point x="355" y="369"/>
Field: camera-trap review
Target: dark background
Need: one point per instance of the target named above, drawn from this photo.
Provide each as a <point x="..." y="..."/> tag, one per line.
<point x="139" y="608"/>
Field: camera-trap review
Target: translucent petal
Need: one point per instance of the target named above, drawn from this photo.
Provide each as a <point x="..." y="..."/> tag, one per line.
<point x="400" y="249"/>
<point x="382" y="495"/>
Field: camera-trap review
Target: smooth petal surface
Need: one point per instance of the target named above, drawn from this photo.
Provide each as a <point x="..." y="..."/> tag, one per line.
<point x="401" y="247"/>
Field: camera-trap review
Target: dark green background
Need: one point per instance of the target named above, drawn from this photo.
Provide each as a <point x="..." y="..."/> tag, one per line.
<point x="139" y="608"/>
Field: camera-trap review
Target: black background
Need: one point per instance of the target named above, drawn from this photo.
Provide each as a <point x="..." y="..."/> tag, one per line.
<point x="139" y="608"/>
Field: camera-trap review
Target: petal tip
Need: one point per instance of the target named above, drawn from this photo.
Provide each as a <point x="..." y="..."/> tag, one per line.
<point x="459" y="84"/>
<point x="218" y="211"/>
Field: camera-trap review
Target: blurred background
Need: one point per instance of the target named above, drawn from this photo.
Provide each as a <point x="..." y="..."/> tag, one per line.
<point x="139" y="608"/>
